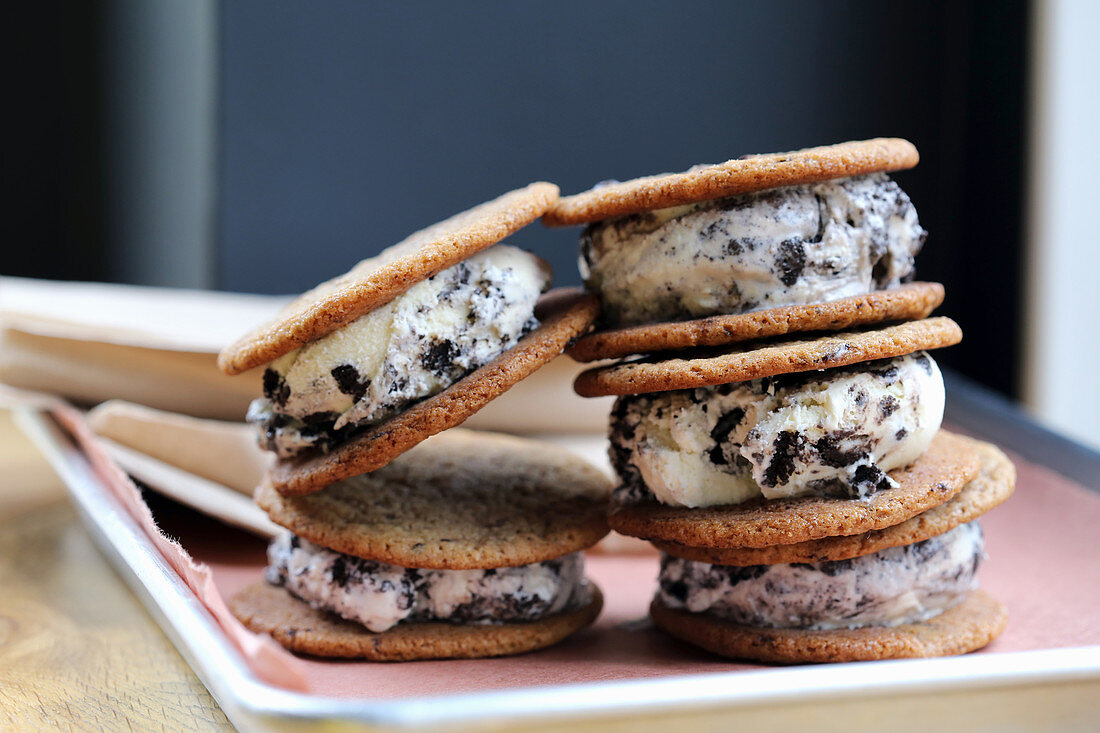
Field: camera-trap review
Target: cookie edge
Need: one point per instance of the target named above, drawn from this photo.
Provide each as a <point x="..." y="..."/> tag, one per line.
<point x="956" y="455"/>
<point x="965" y="627"/>
<point x="767" y="360"/>
<point x="846" y="547"/>
<point x="286" y="332"/>
<point x="736" y="176"/>
<point x="911" y="301"/>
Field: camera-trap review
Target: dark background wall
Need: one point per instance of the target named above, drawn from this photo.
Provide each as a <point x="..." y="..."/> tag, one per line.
<point x="52" y="224"/>
<point x="342" y="126"/>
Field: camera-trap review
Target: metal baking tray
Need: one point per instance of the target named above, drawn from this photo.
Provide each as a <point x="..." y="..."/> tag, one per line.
<point x="252" y="704"/>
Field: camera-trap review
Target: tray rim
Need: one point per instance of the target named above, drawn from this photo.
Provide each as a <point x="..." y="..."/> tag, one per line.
<point x="251" y="703"/>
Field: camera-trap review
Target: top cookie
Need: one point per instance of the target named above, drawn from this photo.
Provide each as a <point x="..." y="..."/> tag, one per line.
<point x="378" y="280"/>
<point x="742" y="175"/>
<point x="461" y="500"/>
<point x="756" y="360"/>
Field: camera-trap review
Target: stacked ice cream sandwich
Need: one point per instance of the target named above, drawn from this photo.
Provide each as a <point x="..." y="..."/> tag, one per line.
<point x="777" y="435"/>
<point x="465" y="545"/>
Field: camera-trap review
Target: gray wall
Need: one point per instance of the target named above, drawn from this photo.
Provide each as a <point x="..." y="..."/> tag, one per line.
<point x="159" y="75"/>
<point x="344" y="130"/>
<point x="346" y="125"/>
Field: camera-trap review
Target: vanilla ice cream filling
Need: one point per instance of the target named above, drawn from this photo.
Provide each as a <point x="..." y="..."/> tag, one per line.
<point x="402" y="352"/>
<point x="832" y="433"/>
<point x="379" y="596"/>
<point x="785" y="246"/>
<point x="899" y="585"/>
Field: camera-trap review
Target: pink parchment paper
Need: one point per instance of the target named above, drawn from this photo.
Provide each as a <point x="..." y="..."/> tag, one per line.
<point x="268" y="660"/>
<point x="1044" y="564"/>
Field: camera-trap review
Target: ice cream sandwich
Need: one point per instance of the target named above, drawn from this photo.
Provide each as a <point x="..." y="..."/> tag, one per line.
<point x="917" y="600"/>
<point x="784" y="404"/>
<point x="909" y="590"/>
<point x="468" y="545"/>
<point x="809" y="516"/>
<point x="406" y="344"/>
<point x="778" y="435"/>
<point x="762" y="246"/>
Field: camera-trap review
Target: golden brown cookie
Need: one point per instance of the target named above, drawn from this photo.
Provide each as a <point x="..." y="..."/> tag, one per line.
<point x="563" y="314"/>
<point x="461" y="500"/>
<point x="992" y="486"/>
<point x="267" y="609"/>
<point x="741" y="175"/>
<point x="756" y="360"/>
<point x="907" y="302"/>
<point x="963" y="628"/>
<point x="378" y="280"/>
<point x="949" y="463"/>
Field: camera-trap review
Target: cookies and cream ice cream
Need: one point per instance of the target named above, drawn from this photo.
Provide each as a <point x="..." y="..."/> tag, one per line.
<point x="411" y="348"/>
<point x="380" y="596"/>
<point x="834" y="432"/>
<point x="784" y="246"/>
<point x="899" y="585"/>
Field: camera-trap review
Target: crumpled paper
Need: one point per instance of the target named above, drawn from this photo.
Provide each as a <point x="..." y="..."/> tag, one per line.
<point x="91" y="342"/>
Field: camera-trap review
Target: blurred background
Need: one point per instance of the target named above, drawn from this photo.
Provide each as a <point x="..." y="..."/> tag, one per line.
<point x="261" y="147"/>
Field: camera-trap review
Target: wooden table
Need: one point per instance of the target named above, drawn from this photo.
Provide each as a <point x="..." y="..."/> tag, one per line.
<point x="77" y="649"/>
<point x="79" y="652"/>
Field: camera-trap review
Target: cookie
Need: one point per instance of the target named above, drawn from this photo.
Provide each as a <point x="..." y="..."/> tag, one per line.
<point x="378" y="280"/>
<point x="950" y="463"/>
<point x="564" y="314"/>
<point x="741" y="175"/>
<point x="963" y="628"/>
<point x="908" y="302"/>
<point x="267" y="609"/>
<point x="992" y="486"/>
<point x="756" y="360"/>
<point x="459" y="501"/>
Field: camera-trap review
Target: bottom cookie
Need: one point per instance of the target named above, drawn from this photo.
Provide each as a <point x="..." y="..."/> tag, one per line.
<point x="966" y="627"/>
<point x="268" y="609"/>
<point x="993" y="485"/>
<point x="950" y="463"/>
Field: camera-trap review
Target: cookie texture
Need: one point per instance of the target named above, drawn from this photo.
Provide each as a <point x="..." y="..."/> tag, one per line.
<point x="993" y="485"/>
<point x="741" y="175"/>
<point x="965" y="627"/>
<point x="462" y="500"/>
<point x="756" y="360"/>
<point x="564" y="314"/>
<point x="267" y="609"/>
<point x="950" y="462"/>
<point x="378" y="280"/>
<point x="907" y="302"/>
